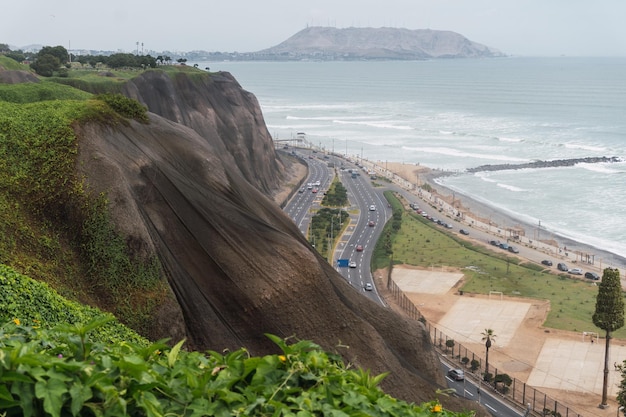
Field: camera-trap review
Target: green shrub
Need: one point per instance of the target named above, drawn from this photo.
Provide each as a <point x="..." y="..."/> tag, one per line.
<point x="60" y="372"/>
<point x="126" y="107"/>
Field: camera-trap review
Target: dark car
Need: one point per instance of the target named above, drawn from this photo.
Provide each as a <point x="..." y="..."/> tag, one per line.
<point x="456" y="374"/>
<point x="592" y="275"/>
<point x="494" y="242"/>
<point x="359" y="248"/>
<point x="371" y="223"/>
<point x="464" y="232"/>
<point x="546" y="262"/>
<point x="562" y="267"/>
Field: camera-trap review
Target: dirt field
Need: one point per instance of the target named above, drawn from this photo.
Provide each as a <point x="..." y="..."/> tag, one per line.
<point x="558" y="363"/>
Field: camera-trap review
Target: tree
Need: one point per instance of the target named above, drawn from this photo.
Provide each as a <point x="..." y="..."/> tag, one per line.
<point x="45" y="65"/>
<point x="488" y="336"/>
<point x="57" y="51"/>
<point x="609" y="316"/>
<point x="449" y="344"/>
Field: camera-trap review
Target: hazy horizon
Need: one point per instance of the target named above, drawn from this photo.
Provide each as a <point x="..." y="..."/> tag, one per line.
<point x="530" y="28"/>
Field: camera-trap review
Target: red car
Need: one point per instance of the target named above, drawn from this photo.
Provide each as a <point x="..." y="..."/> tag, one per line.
<point x="314" y="190"/>
<point x="359" y="248"/>
<point x="371" y="223"/>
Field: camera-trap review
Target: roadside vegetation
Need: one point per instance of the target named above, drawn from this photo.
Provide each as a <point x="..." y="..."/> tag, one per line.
<point x="420" y="242"/>
<point x="328" y="223"/>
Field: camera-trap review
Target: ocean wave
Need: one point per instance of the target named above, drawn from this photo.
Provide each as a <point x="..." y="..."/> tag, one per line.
<point x="603" y="168"/>
<point x="484" y="176"/>
<point x="511" y="187"/>
<point x="464" y="154"/>
<point x="585" y="147"/>
<point x="382" y="125"/>
<point x="504" y="139"/>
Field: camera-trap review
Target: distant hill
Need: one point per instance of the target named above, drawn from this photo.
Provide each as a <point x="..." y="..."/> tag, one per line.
<point x="377" y="43"/>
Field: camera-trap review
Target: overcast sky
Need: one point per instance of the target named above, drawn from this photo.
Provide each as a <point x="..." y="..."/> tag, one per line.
<point x="515" y="27"/>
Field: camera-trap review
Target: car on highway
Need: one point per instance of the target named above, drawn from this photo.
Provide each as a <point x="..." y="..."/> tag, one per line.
<point x="368" y="287"/>
<point x="592" y="275"/>
<point x="314" y="190"/>
<point x="372" y="208"/>
<point x="546" y="262"/>
<point x="562" y="267"/>
<point x="352" y="264"/>
<point x="359" y="248"/>
<point x="456" y="374"/>
<point x="576" y="271"/>
<point x="301" y="190"/>
<point x="464" y="232"/>
<point x="371" y="223"/>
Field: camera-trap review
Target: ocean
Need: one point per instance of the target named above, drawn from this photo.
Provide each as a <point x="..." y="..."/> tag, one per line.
<point x="458" y="114"/>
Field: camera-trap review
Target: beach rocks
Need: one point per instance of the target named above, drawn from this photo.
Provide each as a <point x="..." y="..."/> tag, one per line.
<point x="546" y="164"/>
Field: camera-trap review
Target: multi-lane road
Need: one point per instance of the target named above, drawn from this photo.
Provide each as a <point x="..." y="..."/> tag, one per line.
<point x="368" y="212"/>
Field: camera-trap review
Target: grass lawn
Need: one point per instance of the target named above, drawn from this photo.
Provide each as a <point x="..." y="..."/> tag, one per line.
<point x="420" y="242"/>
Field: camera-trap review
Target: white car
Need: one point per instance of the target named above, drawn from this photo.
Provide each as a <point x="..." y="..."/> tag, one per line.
<point x="576" y="271"/>
<point x="372" y="208"/>
<point x="368" y="287"/>
<point x="352" y="264"/>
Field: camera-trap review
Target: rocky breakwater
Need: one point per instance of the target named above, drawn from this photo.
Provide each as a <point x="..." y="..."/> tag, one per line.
<point x="546" y="164"/>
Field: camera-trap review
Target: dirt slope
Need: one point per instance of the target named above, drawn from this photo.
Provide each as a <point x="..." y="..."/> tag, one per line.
<point x="238" y="266"/>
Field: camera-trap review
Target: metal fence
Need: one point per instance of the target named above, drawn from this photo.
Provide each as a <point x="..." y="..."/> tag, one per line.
<point x="518" y="392"/>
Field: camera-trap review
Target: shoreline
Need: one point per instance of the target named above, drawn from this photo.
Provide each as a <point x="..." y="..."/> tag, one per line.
<point x="478" y="214"/>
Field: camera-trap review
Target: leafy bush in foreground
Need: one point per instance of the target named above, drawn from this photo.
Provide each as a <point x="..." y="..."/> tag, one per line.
<point x="60" y="372"/>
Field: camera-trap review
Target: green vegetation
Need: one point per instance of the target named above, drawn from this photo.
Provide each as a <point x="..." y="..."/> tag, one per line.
<point x="58" y="358"/>
<point x="326" y="226"/>
<point x="421" y="243"/>
<point x="336" y="196"/>
<point x="328" y="223"/>
<point x="609" y="316"/>
<point x="38" y="186"/>
<point x="61" y="372"/>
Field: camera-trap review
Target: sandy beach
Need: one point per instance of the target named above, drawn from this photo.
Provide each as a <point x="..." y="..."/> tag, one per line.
<point x="489" y="218"/>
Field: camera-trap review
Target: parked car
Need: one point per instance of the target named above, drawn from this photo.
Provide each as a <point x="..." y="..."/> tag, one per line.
<point x="504" y="246"/>
<point x="513" y="249"/>
<point x="576" y="271"/>
<point x="456" y="374"/>
<point x="546" y="262"/>
<point x="562" y="267"/>
<point x="368" y="287"/>
<point x="592" y="275"/>
<point x="464" y="232"/>
<point x="359" y="248"/>
<point x="352" y="264"/>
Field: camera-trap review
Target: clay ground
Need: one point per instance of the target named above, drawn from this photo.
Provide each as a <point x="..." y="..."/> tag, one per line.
<point x="558" y="363"/>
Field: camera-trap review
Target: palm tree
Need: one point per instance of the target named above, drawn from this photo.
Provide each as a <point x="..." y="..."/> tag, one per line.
<point x="488" y="336"/>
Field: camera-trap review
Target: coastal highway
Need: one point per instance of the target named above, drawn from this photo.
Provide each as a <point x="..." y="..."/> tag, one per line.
<point x="301" y="205"/>
<point x="362" y="195"/>
<point x="367" y="206"/>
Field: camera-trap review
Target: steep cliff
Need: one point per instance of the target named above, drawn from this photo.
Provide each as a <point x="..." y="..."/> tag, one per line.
<point x="218" y="109"/>
<point x="189" y="188"/>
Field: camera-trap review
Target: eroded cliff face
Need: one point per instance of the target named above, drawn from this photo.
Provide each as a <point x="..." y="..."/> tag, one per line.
<point x="237" y="264"/>
<point x="220" y="111"/>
